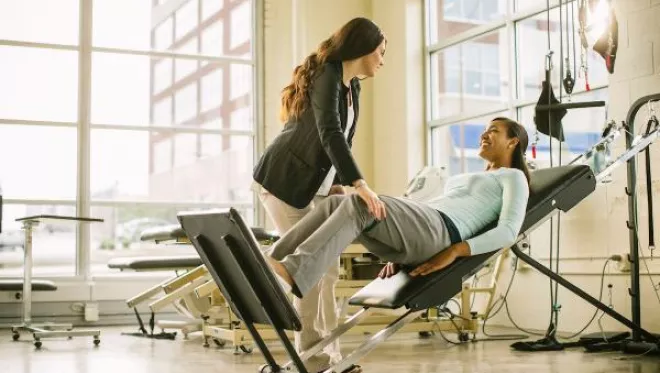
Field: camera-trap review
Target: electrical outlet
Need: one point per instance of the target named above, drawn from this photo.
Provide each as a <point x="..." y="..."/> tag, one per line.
<point x="623" y="265"/>
<point x="91" y="312"/>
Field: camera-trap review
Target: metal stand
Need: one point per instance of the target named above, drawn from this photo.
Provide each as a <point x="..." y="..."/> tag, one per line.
<point x="46" y="329"/>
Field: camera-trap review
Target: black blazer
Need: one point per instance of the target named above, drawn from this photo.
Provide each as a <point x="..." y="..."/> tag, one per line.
<point x="295" y="164"/>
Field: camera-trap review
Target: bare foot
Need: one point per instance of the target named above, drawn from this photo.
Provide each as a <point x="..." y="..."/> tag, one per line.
<point x="280" y="270"/>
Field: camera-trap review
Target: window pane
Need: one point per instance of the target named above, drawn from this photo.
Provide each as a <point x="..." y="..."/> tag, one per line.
<point x="212" y="90"/>
<point x="211" y="8"/>
<point x="25" y="69"/>
<point x="119" y="234"/>
<point x="451" y="17"/>
<point x="521" y="5"/>
<point x="470" y="76"/>
<point x="135" y="18"/>
<point x="185" y="104"/>
<point x="184" y="67"/>
<point x="162" y="74"/>
<point x="241" y="81"/>
<point x="185" y="149"/>
<point x="582" y="129"/>
<point x="164" y="34"/>
<point x="241" y="28"/>
<point x="168" y="26"/>
<point x="456" y="146"/>
<point x="41" y="21"/>
<point x="213" y="39"/>
<point x="533" y="41"/>
<point x="38" y="162"/>
<point x="170" y="167"/>
<point x="53" y="243"/>
<point x="185" y="19"/>
<point x="121" y="86"/>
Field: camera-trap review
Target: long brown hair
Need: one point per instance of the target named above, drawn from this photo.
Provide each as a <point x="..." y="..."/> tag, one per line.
<point x="515" y="130"/>
<point x="357" y="38"/>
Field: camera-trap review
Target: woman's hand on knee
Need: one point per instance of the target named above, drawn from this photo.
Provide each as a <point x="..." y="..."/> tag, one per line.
<point x="337" y="189"/>
<point x="375" y="205"/>
<point x="390" y="269"/>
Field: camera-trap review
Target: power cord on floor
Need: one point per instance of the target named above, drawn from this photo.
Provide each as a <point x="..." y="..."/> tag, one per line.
<point x="503" y="302"/>
<point x="600" y="297"/>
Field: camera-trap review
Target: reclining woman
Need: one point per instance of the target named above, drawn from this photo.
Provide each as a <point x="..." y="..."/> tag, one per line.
<point x="425" y="236"/>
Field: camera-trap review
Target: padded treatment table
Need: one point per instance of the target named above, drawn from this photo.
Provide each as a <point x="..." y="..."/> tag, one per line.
<point x="155" y="263"/>
<point x="231" y="254"/>
<point x="17" y="285"/>
<point x="174" y="262"/>
<point x="176" y="233"/>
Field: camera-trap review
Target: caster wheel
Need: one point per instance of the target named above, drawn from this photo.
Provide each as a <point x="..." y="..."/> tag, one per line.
<point x="37" y="344"/>
<point x="15" y="336"/>
<point x="463" y="337"/>
<point x="97" y="341"/>
<point x="425" y="334"/>
<point x="219" y="342"/>
<point x="206" y="343"/>
<point x="268" y="369"/>
<point x="245" y="349"/>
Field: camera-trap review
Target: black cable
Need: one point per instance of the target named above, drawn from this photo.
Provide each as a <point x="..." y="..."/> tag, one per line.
<point x="508" y="313"/>
<point x="555" y="310"/>
<point x="573" y="4"/>
<point x="548" y="6"/>
<point x="445" y="338"/>
<point x="460" y="309"/>
<point x="561" y="57"/>
<point x="568" y="35"/>
<point x="451" y="319"/>
<point x="475" y="282"/>
<point x="548" y="76"/>
<point x="600" y="297"/>
<point x="488" y="316"/>
<point x="649" y="187"/>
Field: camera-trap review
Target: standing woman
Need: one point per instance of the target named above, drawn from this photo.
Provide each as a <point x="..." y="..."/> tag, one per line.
<point x="311" y="158"/>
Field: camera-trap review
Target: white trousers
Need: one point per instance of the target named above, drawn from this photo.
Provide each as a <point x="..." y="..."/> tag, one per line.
<point x="318" y="308"/>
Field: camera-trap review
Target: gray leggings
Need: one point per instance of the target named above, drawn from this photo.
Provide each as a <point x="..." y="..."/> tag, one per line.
<point x="410" y="235"/>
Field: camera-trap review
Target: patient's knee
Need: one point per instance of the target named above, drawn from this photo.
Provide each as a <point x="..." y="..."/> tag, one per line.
<point x="334" y="200"/>
<point x="358" y="204"/>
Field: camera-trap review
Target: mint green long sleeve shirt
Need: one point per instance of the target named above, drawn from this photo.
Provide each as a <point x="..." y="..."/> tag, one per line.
<point x="473" y="201"/>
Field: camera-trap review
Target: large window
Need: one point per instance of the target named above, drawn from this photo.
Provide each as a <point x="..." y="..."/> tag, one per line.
<point x="171" y="106"/>
<point x="470" y="75"/>
<point x="497" y="70"/>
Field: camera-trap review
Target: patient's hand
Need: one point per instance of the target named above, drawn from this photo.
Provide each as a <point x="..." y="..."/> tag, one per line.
<point x="442" y="259"/>
<point x="389" y="270"/>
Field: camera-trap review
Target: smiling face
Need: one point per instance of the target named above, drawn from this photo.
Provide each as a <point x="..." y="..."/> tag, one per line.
<point x="495" y="143"/>
<point x="372" y="62"/>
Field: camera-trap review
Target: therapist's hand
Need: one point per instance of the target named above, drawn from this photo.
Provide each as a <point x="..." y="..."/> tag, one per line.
<point x="337" y="189"/>
<point x="375" y="205"/>
<point x="442" y="259"/>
